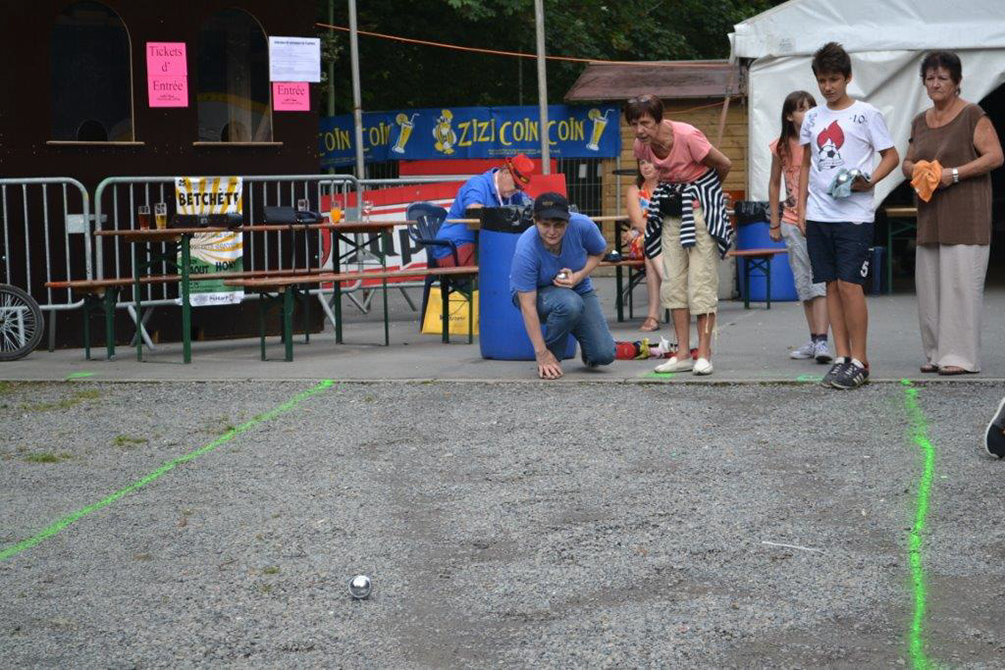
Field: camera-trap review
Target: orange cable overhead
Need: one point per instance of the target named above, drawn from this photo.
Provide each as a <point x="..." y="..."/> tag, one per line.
<point x="517" y="54"/>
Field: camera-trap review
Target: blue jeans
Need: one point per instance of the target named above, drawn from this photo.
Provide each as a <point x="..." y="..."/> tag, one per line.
<point x="563" y="311"/>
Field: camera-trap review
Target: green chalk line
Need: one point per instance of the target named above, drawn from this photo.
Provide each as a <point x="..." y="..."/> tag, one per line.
<point x="55" y="528"/>
<point x="79" y="375"/>
<point x="919" y="435"/>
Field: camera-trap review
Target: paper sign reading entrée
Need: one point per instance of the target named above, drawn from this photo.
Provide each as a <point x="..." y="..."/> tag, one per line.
<point x="167" y="74"/>
<point x="168" y="91"/>
<point x="289" y="96"/>
<point x="295" y="59"/>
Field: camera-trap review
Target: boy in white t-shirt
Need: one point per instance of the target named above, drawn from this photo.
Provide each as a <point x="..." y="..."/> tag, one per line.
<point x="843" y="135"/>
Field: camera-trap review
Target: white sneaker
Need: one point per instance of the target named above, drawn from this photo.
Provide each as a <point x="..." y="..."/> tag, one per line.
<point x="703" y="366"/>
<point x="676" y="365"/>
<point x="821" y="352"/>
<point x="808" y="350"/>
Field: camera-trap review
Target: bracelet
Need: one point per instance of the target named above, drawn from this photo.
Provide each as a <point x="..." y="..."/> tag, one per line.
<point x="956" y="175"/>
<point x="770" y="227"/>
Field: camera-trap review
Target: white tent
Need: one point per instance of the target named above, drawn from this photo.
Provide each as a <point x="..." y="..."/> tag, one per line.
<point x="887" y="40"/>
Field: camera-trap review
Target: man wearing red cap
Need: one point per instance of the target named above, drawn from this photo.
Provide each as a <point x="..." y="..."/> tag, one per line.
<point x="497" y="187"/>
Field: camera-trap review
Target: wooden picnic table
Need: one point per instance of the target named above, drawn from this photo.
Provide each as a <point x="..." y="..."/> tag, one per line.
<point x="345" y="231"/>
<point x="907" y="221"/>
<point x="287" y="287"/>
<point x="756" y="259"/>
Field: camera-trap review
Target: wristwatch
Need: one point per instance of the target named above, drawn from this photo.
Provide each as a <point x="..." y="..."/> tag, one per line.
<point x="956" y="175"/>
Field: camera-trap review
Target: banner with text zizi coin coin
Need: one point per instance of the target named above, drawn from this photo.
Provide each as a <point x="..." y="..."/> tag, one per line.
<point x="214" y="197"/>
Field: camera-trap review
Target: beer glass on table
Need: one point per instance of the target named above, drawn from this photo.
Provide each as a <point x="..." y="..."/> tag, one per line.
<point x="161" y="215"/>
<point x="143" y="216"/>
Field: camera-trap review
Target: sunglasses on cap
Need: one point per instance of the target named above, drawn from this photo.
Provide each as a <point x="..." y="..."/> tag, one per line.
<point x="641" y="99"/>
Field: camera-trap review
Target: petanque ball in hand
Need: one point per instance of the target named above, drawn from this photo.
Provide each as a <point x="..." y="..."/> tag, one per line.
<point x="360" y="587"/>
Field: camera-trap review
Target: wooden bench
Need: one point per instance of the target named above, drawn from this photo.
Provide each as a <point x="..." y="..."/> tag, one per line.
<point x="636" y="267"/>
<point x="287" y="288"/>
<point x="636" y="270"/>
<point x="756" y="259"/>
<point x="103" y="294"/>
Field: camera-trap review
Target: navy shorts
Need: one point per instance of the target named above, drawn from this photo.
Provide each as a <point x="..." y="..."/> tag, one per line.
<point x="839" y="250"/>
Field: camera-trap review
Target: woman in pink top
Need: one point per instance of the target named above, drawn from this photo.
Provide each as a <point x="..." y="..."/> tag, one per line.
<point x="689" y="207"/>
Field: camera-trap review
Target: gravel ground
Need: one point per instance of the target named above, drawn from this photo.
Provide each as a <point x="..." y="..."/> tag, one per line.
<point x="517" y="524"/>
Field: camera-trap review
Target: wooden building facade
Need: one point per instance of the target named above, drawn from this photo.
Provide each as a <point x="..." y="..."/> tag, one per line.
<point x="77" y="100"/>
<point x="691" y="91"/>
<point x="77" y="105"/>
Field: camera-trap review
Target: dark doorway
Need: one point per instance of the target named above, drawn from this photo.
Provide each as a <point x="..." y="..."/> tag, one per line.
<point x="994" y="105"/>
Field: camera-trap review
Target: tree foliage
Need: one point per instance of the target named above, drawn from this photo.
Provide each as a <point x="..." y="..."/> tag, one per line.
<point x="399" y="75"/>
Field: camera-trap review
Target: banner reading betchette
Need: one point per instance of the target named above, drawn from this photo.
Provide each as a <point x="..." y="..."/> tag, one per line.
<point x="212" y="252"/>
<point x="472" y="132"/>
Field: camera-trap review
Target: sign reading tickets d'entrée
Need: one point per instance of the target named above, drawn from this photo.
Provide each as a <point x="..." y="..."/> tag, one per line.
<point x="167" y="74"/>
<point x="212" y="252"/>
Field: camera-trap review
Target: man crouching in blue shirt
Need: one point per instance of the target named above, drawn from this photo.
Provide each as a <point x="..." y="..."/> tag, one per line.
<point x="550" y="282"/>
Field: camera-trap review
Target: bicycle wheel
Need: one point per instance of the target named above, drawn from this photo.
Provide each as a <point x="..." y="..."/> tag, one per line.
<point x="20" y="323"/>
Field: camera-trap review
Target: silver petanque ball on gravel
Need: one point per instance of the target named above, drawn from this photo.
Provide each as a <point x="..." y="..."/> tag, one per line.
<point x="360" y="587"/>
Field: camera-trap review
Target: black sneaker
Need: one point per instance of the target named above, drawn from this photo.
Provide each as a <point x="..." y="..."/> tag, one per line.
<point x="994" y="437"/>
<point x="851" y="376"/>
<point x="835" y="370"/>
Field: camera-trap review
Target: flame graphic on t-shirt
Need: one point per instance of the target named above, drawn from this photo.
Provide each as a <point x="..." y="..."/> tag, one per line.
<point x="829" y="142"/>
<point x="833" y="133"/>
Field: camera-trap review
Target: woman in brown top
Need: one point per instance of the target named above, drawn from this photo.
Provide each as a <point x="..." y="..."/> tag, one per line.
<point x="954" y="226"/>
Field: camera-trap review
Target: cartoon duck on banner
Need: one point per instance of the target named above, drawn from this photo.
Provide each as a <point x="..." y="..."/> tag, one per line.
<point x="444" y="135"/>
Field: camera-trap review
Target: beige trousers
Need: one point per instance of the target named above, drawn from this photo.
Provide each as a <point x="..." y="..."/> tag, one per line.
<point x="690" y="276"/>
<point x="949" y="279"/>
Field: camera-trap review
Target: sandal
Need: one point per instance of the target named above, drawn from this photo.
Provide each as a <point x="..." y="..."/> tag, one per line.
<point x="929" y="367"/>
<point x="952" y="370"/>
<point x="650" y="324"/>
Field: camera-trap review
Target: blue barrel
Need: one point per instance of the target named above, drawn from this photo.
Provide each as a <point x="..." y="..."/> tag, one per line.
<point x="501" y="333"/>
<point x="752" y="233"/>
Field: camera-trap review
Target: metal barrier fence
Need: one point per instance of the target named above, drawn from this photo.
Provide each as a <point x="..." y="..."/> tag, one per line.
<point x="401" y="244"/>
<point x="116" y="200"/>
<point x="50" y="219"/>
<point x="57" y="211"/>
